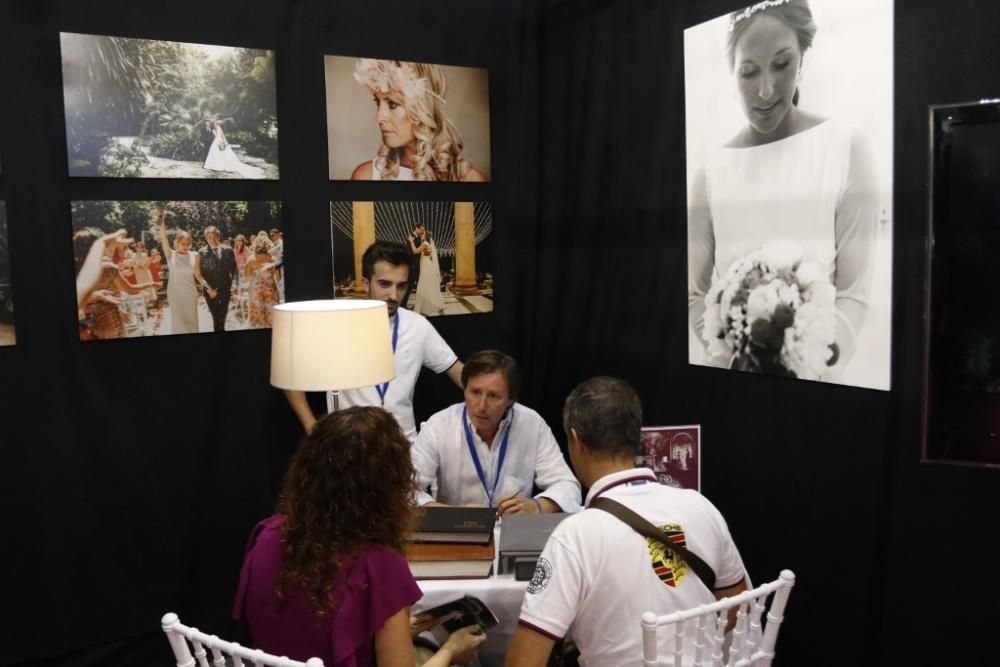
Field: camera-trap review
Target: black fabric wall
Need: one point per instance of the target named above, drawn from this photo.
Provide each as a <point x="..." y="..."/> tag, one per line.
<point x="894" y="554"/>
<point x="135" y="469"/>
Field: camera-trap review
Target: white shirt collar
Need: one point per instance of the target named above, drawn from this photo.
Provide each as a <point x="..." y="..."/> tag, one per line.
<point x="617" y="478"/>
<point x="505" y="422"/>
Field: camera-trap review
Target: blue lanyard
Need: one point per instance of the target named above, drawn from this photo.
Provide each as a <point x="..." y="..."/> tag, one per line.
<point x="475" y="456"/>
<point x="384" y="387"/>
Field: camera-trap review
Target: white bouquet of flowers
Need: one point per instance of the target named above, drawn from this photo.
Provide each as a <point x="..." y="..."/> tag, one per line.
<point x="773" y="313"/>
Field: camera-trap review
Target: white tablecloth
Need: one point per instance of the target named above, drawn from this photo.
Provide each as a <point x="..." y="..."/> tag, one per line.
<point x="501" y="593"/>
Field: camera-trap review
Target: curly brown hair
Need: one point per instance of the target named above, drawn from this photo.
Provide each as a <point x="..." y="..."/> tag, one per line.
<point x="349" y="486"/>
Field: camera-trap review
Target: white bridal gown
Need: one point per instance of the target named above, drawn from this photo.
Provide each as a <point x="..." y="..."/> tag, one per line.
<point x="429" y="300"/>
<point x="224" y="159"/>
<point x="793" y="189"/>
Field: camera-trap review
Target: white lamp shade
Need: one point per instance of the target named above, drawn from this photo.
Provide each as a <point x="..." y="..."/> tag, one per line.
<point x="323" y="345"/>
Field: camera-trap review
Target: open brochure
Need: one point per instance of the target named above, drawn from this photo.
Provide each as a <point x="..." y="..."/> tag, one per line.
<point x="460" y="613"/>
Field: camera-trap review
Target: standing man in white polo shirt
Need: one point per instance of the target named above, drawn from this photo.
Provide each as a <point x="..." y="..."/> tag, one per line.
<point x="492" y="451"/>
<point x="597" y="573"/>
<point x="385" y="269"/>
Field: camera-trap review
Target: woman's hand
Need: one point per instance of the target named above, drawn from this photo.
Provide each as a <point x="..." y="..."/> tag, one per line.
<point x="421" y="623"/>
<point x="211" y="292"/>
<point x="463" y="643"/>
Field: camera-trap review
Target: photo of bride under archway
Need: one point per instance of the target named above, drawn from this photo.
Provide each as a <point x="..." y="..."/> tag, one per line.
<point x="450" y="245"/>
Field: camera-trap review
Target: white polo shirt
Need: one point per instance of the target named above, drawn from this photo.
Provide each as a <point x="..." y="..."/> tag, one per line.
<point x="417" y="344"/>
<point x="599" y="575"/>
<point x="441" y="455"/>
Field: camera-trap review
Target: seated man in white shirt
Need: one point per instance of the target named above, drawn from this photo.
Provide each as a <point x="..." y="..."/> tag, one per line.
<point x="385" y="269"/>
<point x="490" y="450"/>
<point x="596" y="573"/>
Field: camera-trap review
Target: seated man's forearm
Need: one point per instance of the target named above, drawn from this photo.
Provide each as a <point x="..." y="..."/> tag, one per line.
<point x="548" y="505"/>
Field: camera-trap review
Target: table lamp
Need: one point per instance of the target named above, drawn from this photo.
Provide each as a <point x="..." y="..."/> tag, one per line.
<point x="331" y="345"/>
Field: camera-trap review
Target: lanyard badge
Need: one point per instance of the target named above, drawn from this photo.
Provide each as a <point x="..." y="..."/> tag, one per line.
<point x="490" y="492"/>
<point x="383" y="388"/>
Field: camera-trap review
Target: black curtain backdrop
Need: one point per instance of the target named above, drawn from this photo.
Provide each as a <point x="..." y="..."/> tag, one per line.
<point x="893" y="557"/>
<point x="136" y="468"/>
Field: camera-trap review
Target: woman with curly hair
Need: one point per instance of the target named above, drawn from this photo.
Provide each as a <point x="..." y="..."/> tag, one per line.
<point x="419" y="143"/>
<point x="326" y="576"/>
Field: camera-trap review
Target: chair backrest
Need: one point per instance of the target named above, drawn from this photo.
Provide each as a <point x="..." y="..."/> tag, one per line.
<point x="179" y="635"/>
<point x="706" y="624"/>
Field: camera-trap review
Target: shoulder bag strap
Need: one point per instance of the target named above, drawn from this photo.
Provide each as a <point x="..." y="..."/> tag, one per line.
<point x="645" y="528"/>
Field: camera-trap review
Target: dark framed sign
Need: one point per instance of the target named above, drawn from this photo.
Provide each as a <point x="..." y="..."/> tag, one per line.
<point x="962" y="308"/>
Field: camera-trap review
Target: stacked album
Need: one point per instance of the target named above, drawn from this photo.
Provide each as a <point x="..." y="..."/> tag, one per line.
<point x="453" y="543"/>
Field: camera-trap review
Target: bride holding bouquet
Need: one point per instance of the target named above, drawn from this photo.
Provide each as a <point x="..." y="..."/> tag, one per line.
<point x="788" y="176"/>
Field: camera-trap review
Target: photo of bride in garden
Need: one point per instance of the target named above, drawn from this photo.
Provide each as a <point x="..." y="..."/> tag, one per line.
<point x="139" y="108"/>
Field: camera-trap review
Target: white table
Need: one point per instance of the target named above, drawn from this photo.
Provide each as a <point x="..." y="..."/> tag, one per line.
<point x="501" y="593"/>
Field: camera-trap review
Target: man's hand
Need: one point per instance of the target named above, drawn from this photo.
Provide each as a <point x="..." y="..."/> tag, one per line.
<point x="515" y="503"/>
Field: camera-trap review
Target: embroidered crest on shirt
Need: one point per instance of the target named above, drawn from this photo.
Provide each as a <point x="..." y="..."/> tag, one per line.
<point x="668" y="567"/>
<point x="543" y="575"/>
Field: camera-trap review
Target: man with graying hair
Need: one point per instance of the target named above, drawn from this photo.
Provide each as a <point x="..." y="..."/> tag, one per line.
<point x="596" y="573"/>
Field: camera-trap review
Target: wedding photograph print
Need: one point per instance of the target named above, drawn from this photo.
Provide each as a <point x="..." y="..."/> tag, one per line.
<point x="449" y="245"/>
<point x="674" y="454"/>
<point x="393" y="120"/>
<point x="789" y="116"/>
<point x="142" y="108"/>
<point x="157" y="268"/>
<point x="7" y="333"/>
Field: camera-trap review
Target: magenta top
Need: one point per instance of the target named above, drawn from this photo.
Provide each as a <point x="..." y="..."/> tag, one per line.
<point x="369" y="588"/>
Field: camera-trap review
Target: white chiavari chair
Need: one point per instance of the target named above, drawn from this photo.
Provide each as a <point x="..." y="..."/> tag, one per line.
<point x="697" y="636"/>
<point x="202" y="644"/>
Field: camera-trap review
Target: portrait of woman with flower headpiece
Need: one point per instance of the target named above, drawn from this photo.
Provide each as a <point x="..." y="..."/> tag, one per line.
<point x="393" y="120"/>
<point x="789" y="129"/>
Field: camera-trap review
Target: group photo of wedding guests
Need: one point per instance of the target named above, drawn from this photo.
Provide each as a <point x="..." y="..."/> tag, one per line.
<point x="182" y="267"/>
<point x="141" y="108"/>
<point x="392" y="120"/>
